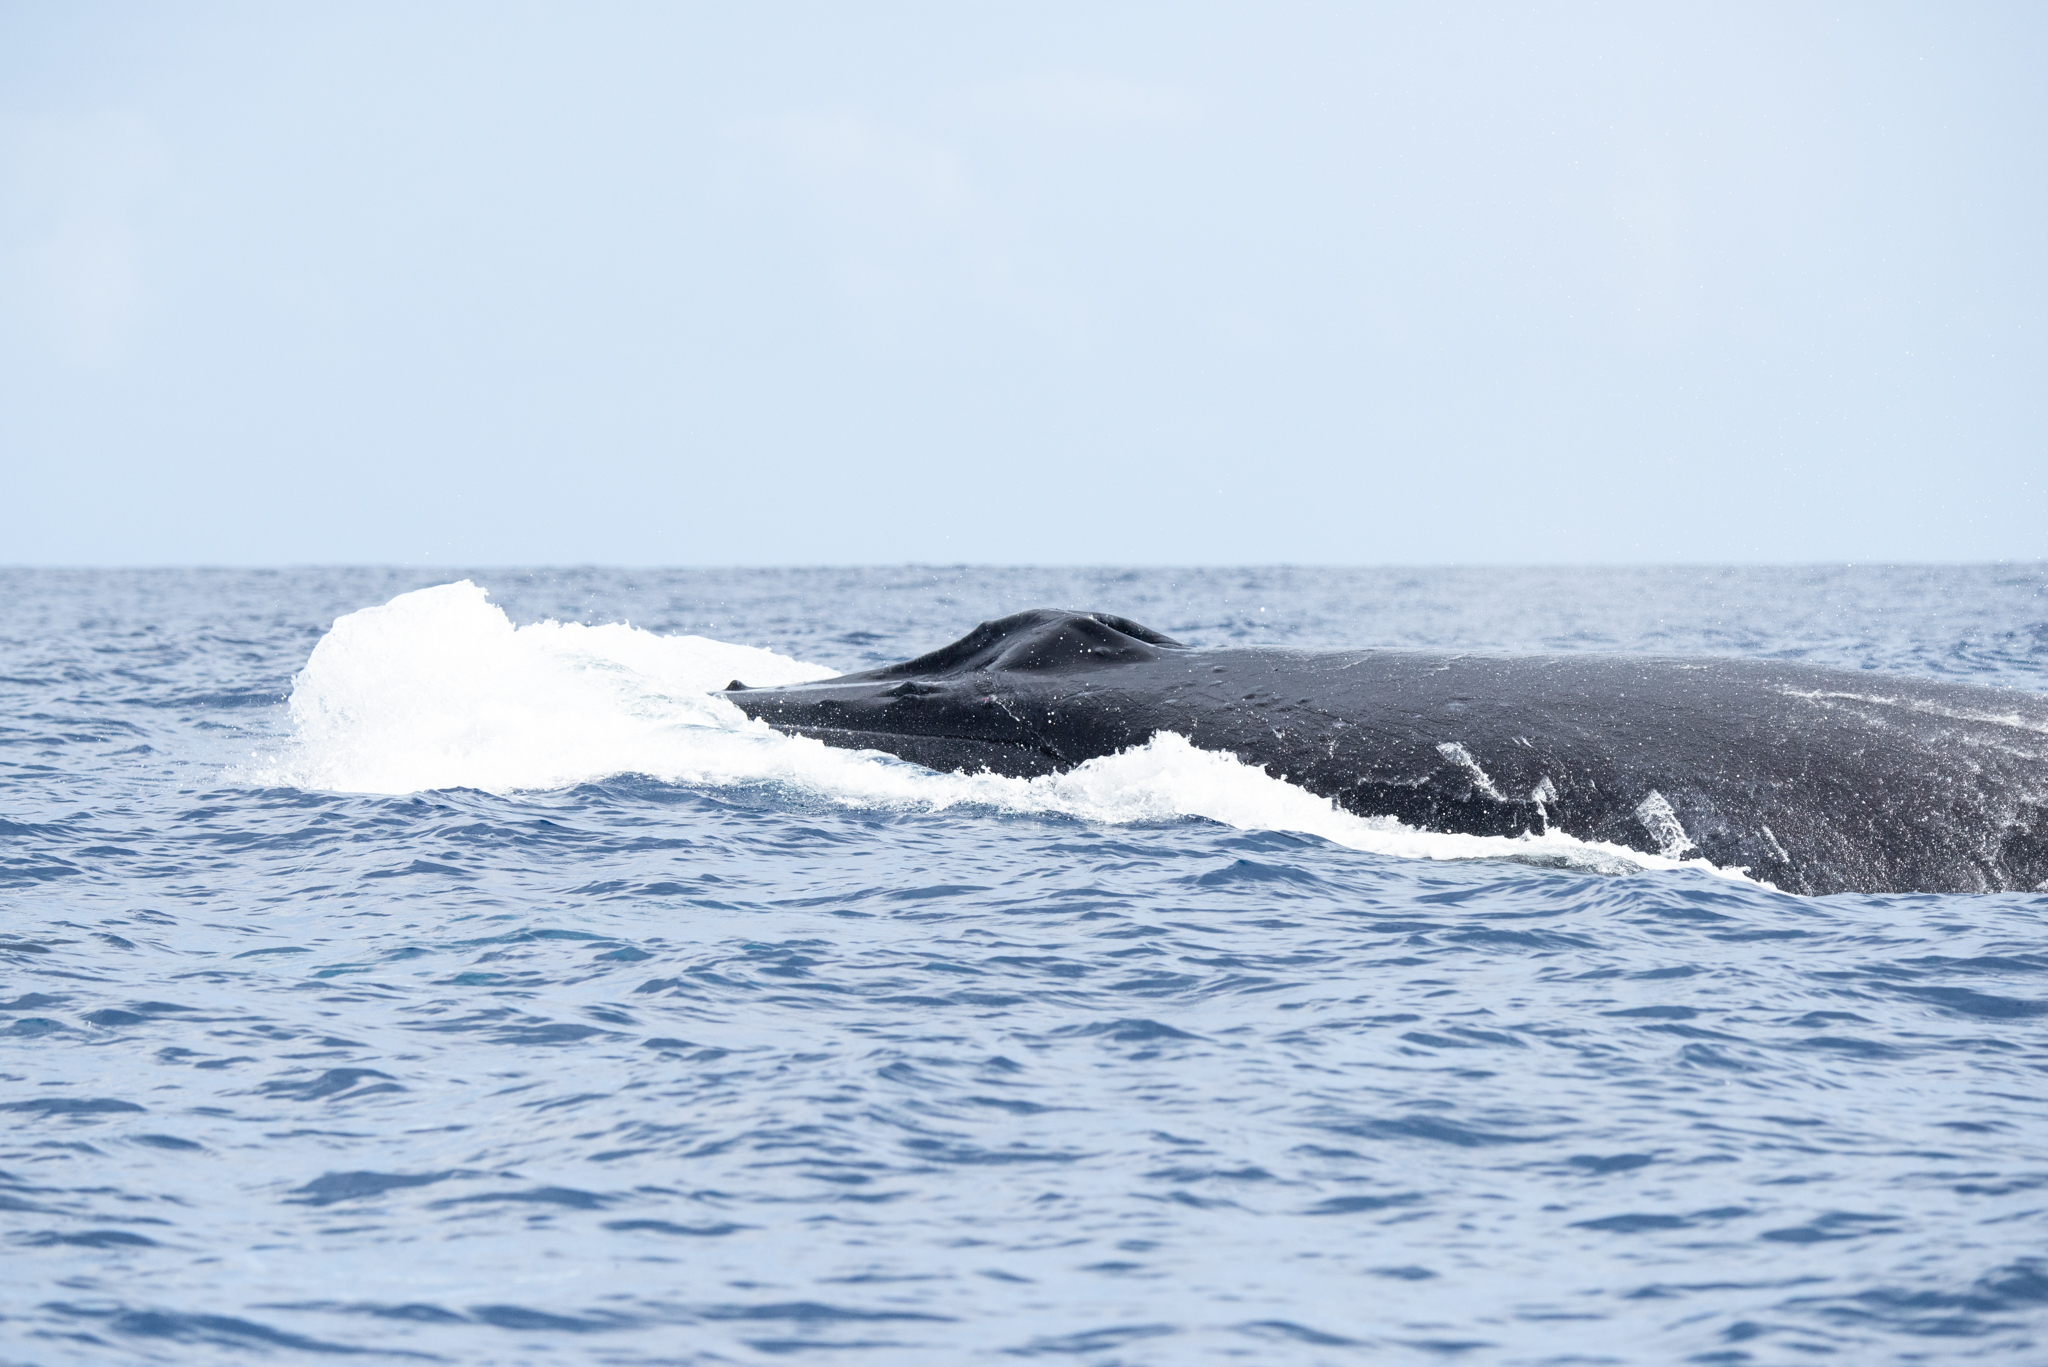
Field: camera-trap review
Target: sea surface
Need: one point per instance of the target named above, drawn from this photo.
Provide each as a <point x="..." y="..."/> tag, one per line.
<point x="419" y="965"/>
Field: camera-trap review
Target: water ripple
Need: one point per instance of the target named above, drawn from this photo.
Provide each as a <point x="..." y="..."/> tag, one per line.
<point x="634" y="1071"/>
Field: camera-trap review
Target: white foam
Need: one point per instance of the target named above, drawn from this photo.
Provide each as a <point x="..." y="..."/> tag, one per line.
<point x="437" y="689"/>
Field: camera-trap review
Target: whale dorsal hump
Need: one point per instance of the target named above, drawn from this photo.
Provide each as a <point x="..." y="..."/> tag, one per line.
<point x="1041" y="639"/>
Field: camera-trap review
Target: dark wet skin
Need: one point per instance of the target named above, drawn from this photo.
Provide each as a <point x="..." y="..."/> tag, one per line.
<point x="1815" y="780"/>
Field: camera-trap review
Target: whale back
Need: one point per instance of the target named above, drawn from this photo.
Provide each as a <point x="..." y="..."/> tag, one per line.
<point x="1816" y="780"/>
<point x="1041" y="639"/>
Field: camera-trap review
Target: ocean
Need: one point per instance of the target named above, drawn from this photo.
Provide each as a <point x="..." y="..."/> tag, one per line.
<point x="417" y="964"/>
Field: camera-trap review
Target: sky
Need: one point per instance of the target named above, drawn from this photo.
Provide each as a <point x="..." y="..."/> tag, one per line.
<point x="1179" y="283"/>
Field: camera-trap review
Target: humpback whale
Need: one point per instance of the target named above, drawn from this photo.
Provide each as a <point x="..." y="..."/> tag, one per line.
<point x="1815" y="780"/>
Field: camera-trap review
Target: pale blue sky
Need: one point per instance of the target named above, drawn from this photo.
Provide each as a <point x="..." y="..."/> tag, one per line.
<point x="500" y="283"/>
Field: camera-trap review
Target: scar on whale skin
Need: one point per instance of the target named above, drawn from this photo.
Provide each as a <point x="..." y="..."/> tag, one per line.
<point x="1664" y="826"/>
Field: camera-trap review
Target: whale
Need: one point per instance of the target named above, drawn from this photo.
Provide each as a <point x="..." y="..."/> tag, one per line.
<point x="1814" y="780"/>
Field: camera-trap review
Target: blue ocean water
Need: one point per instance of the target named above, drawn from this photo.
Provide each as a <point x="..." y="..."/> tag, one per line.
<point x="488" y="996"/>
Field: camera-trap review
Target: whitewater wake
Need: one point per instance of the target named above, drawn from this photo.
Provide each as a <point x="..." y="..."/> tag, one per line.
<point x="438" y="689"/>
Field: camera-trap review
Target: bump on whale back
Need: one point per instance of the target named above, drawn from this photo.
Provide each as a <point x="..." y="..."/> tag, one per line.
<point x="1040" y="639"/>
